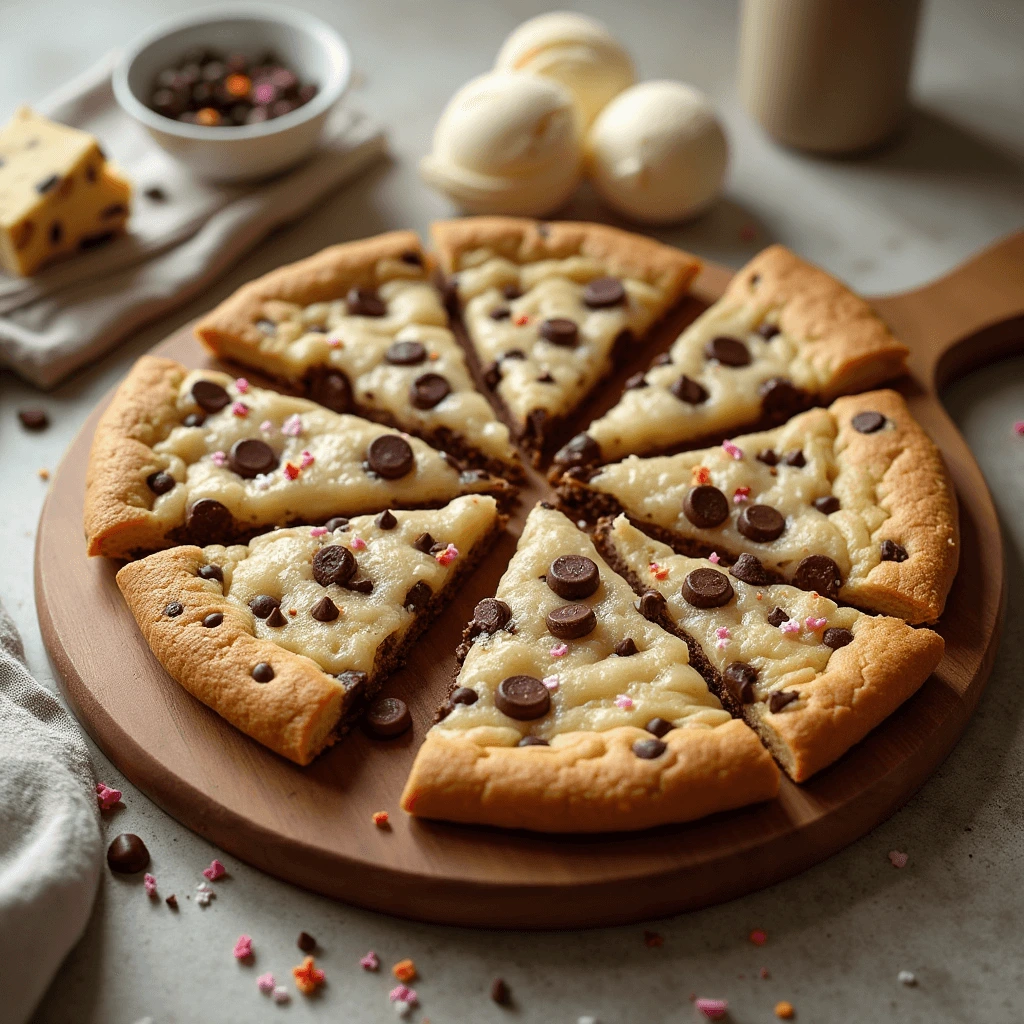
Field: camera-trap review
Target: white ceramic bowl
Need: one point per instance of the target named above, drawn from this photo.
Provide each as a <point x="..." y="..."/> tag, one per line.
<point x="311" y="48"/>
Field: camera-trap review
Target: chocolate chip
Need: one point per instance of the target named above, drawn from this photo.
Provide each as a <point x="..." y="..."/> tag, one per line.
<point x="658" y="727"/>
<point x="777" y="616"/>
<point x="827" y="504"/>
<point x="263" y="672"/>
<point x="33" y="419"/>
<point x="582" y="450"/>
<point x="500" y="992"/>
<point x="127" y="854"/>
<point x="868" y="422"/>
<point x="333" y="564"/>
<point x="651" y="605"/>
<point x="213" y="620"/>
<point x="761" y="523"/>
<point x="208" y="521"/>
<point x="424" y="542"/>
<point x="429" y="390"/>
<point x="450" y="294"/>
<point x="707" y="588"/>
<point x="705" y="506"/>
<point x="263" y="604"/>
<point x="727" y="351"/>
<point x="352" y="681"/>
<point x="893" y="552"/>
<point x="686" y="389"/>
<point x="331" y="389"/>
<point x="750" y="569"/>
<point x="160" y="483"/>
<point x="781" y="398"/>
<point x="337" y="523"/>
<point x="573" y="577"/>
<point x="157" y="195"/>
<point x="406" y="353"/>
<point x="571" y="621"/>
<point x="769" y="457"/>
<point x="603" y="292"/>
<point x="306" y="942"/>
<point x="545" y="378"/>
<point x="174" y="609"/>
<point x="386" y="520"/>
<point x="387" y="718"/>
<point x="276" y="619"/>
<point x="636" y="381"/>
<point x="796" y="459"/>
<point x="648" y="750"/>
<point x="492" y="375"/>
<point x="325" y="610"/>
<point x="512" y="292"/>
<point x="522" y="697"/>
<point x="463" y="695"/>
<point x="114" y="210"/>
<point x="626" y="648"/>
<point x="559" y="331"/>
<point x="390" y="456"/>
<point x="46" y="184"/>
<point x="365" y="302"/>
<point x="500" y="313"/>
<point x="95" y="241"/>
<point x="209" y="395"/>
<point x="780" y="699"/>
<point x="532" y="741"/>
<point x="819" y="573"/>
<point x="252" y="457"/>
<point x="835" y="637"/>
<point x="359" y="586"/>
<point x="172" y="901"/>
<point x="56" y="232"/>
<point x="211" y="572"/>
<point x="492" y="614"/>
<point x="194" y="419"/>
<point x="740" y="678"/>
<point x="768" y="331"/>
<point x="418" y="597"/>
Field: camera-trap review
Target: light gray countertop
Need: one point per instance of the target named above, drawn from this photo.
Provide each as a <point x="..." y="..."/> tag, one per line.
<point x="839" y="933"/>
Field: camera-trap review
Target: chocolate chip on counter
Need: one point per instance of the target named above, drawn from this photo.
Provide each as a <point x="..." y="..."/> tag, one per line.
<point x="571" y="621"/>
<point x="582" y="450"/>
<point x="707" y="588"/>
<point x="33" y="419"/>
<point x="252" y="457"/>
<point x="263" y="672"/>
<point x="705" y="506"/>
<point x="213" y="620"/>
<point x="262" y="605"/>
<point x="522" y="697"/>
<point x="626" y="648"/>
<point x="777" y="616"/>
<point x="636" y="381"/>
<point x="463" y="695"/>
<point x="781" y="398"/>
<point x="211" y="572"/>
<point x="868" y="422"/>
<point x="172" y="901"/>
<point x="750" y="569"/>
<point x="208" y="521"/>
<point x="648" y="750"/>
<point x="491" y="614"/>
<point x="533" y="741"/>
<point x="727" y="351"/>
<point x="194" y="419"/>
<point x="500" y="992"/>
<point x="331" y="389"/>
<point x="573" y="577"/>
<point x="768" y="331"/>
<point x="603" y="292"/>
<point x="658" y="727"/>
<point x="780" y="699"/>
<point x="388" y="717"/>
<point x="559" y="331"/>
<point x="174" y="609"/>
<point x="796" y="459"/>
<point x="305" y="941"/>
<point x="769" y="457"/>
<point x="390" y="456"/>
<point x="651" y="605"/>
<point x="512" y="292"/>
<point x="365" y="302"/>
<point x="761" y="523"/>
<point x="686" y="389"/>
<point x="836" y="637"/>
<point x="424" y="542"/>
<point x="418" y="597"/>
<point x="429" y="390"/>
<point x="337" y="523"/>
<point x="209" y="395"/>
<point x="325" y="610"/>
<point x="406" y="353"/>
<point x="500" y="313"/>
<point x="819" y="573"/>
<point x="893" y="552"/>
<point x="276" y="619"/>
<point x="352" y="680"/>
<point x="827" y="505"/>
<point x="333" y="564"/>
<point x="386" y="520"/>
<point x="127" y="854"/>
<point x="740" y="678"/>
<point x="160" y="483"/>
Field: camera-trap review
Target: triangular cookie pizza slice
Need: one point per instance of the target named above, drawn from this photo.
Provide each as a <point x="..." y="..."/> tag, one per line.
<point x="195" y="456"/>
<point x="361" y="328"/>
<point x="573" y="713"/>
<point x="812" y="678"/>
<point x="783" y="337"/>
<point x="551" y="307"/>
<point x="853" y="502"/>
<point x="289" y="636"/>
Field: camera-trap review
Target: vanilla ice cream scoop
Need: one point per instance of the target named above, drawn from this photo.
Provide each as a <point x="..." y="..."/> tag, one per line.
<point x="507" y="144"/>
<point x="577" y="51"/>
<point x="657" y="152"/>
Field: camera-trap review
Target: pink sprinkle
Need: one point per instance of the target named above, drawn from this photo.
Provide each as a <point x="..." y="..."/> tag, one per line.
<point x="218" y="458"/>
<point x="266" y="426"/>
<point x="318" y="531"/>
<point x="106" y="796"/>
<point x="291" y="471"/>
<point x="281" y="995"/>
<point x="740" y="495"/>
<point x="559" y="650"/>
<point x="241" y="385"/>
<point x="240" y="409"/>
<point x="447" y="556"/>
<point x="714" y="558"/>
<point x="733" y="450"/>
<point x="406" y="995"/>
<point x="723" y="633"/>
<point x="790" y="626"/>
<point x="265" y="983"/>
<point x="624" y="702"/>
<point x="358" y="544"/>
<point x="149" y="884"/>
<point x="898" y="859"/>
<point x="334" y="342"/>
<point x="758" y="937"/>
<point x="713" y="1009"/>
<point x="813" y="623"/>
<point x="292" y="426"/>
<point x="659" y="572"/>
<point x="370" y="962"/>
<point x="243" y="950"/>
<point x="307" y="460"/>
<point x="1019" y="427"/>
<point x="215" y="870"/>
<point x="264" y="93"/>
<point x="551" y="682"/>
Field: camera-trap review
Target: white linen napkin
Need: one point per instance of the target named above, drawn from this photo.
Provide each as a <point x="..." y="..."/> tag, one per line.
<point x="49" y="832"/>
<point x="76" y="310"/>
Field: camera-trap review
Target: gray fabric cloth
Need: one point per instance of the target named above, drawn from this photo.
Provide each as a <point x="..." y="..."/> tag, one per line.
<point x="50" y="845"/>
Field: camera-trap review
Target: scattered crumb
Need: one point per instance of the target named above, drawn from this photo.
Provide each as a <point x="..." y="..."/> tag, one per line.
<point x="172" y="901"/>
<point x="36" y="419"/>
<point x="44" y="474"/>
<point x="381" y="820"/>
<point x="907" y="978"/>
<point x="306" y="942"/>
<point x="500" y="992"/>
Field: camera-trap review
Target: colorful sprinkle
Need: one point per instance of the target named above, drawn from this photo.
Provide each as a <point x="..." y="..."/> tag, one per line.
<point x="266" y="426"/>
<point x="218" y="458"/>
<point x="701" y="474"/>
<point x="307" y="459"/>
<point x="281" y="995"/>
<point x="784" y="1010"/>
<point x="381" y="820"/>
<point x="906" y="978"/>
<point x="723" y="637"/>
<point x="404" y="971"/>
<point x="714" y="558"/>
<point x="318" y="531"/>
<point x="713" y="1009"/>
<point x="559" y="650"/>
<point x="522" y="320"/>
<point x="243" y="950"/>
<point x="447" y="556"/>
<point x="740" y="495"/>
<point x="370" y="962"/>
<point x="814" y="624"/>
<point x="1018" y="427"/>
<point x="291" y="471"/>
<point x="358" y="544"/>
<point x="241" y="385"/>
<point x="659" y="572"/>
<point x="149" y="884"/>
<point x="623" y="702"/>
<point x="551" y="682"/>
<point x="404" y="994"/>
<point x="731" y="449"/>
<point x="262" y="481"/>
<point x="240" y="409"/>
<point x="790" y="626"/>
<point x="106" y="796"/>
<point x="204" y="893"/>
<point x="334" y="342"/>
<point x="308" y="977"/>
<point x="758" y="937"/>
<point x="265" y="983"/>
<point x="215" y="870"/>
<point x="292" y="427"/>
<point x="898" y="859"/>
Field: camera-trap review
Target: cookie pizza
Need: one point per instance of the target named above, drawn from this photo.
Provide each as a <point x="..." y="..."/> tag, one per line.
<point x="853" y="502"/>
<point x="783" y="337"/>
<point x="196" y="456"/>
<point x="574" y="713"/>
<point x="361" y="328"/>
<point x="289" y="636"/>
<point x="550" y="308"/>
<point x="812" y="678"/>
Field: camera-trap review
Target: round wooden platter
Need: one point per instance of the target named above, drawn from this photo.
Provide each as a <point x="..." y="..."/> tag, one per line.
<point x="312" y="826"/>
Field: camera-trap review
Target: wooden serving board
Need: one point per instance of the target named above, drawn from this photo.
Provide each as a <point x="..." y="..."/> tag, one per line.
<point x="312" y="826"/>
